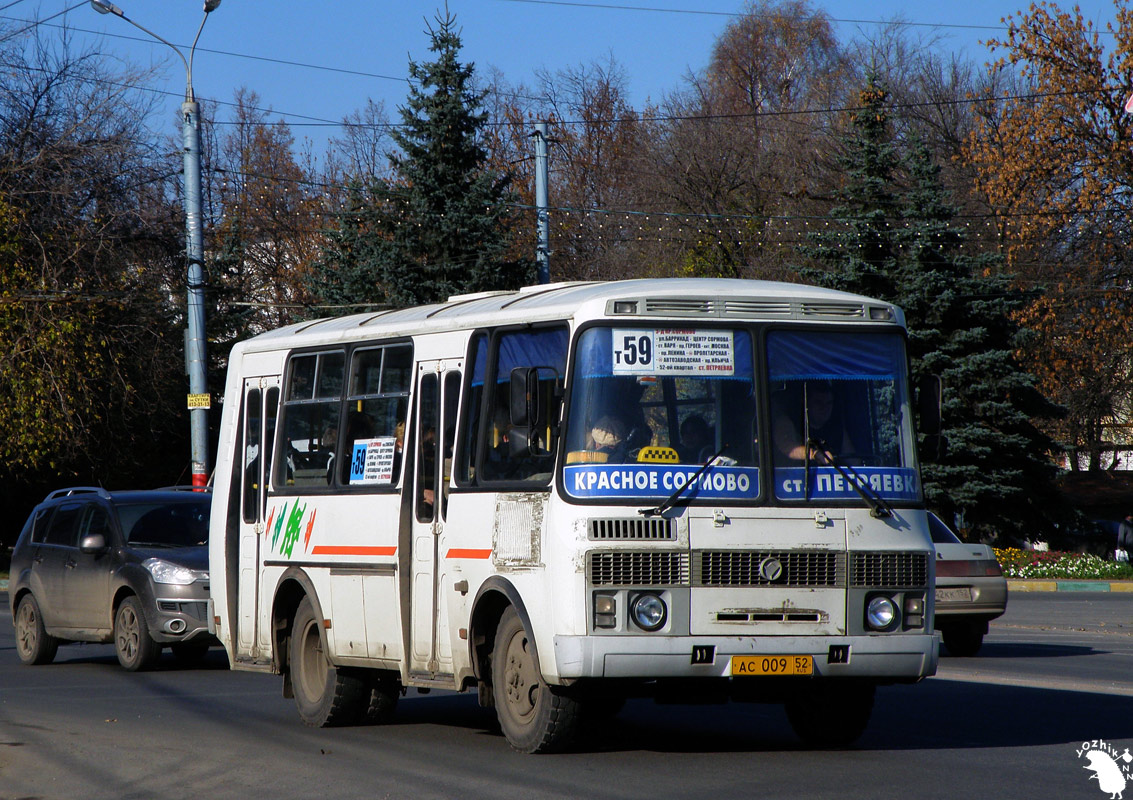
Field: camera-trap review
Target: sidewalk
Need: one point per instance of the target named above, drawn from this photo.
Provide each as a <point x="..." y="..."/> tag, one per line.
<point x="1068" y="586"/>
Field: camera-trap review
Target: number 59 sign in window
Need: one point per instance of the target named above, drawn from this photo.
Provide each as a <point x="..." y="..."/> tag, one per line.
<point x="673" y="352"/>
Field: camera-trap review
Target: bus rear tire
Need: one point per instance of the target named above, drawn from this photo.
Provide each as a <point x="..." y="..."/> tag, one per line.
<point x="534" y="717"/>
<point x="384" y="694"/>
<point x="831" y="715"/>
<point x="325" y="695"/>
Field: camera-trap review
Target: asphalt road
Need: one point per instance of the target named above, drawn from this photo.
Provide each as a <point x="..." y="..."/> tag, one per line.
<point x="1055" y="672"/>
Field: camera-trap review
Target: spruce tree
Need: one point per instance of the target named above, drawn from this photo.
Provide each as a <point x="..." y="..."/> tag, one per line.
<point x="896" y="239"/>
<point x="346" y="274"/>
<point x="441" y="225"/>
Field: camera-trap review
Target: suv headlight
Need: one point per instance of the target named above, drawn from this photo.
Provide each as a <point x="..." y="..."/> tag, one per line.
<point x="165" y="572"/>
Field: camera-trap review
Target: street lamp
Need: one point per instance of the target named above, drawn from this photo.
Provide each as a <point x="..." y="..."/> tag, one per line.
<point x="195" y="363"/>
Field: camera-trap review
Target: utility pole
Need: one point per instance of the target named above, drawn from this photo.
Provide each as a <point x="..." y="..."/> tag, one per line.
<point x="542" y="222"/>
<point x="196" y="361"/>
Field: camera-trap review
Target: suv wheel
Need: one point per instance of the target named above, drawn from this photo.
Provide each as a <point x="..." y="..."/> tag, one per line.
<point x="33" y="643"/>
<point x="136" y="649"/>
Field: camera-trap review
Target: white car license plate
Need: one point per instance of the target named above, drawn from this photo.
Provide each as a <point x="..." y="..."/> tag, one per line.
<point x="962" y="594"/>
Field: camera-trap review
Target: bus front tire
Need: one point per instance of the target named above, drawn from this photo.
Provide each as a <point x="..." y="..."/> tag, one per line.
<point x="831" y="715"/>
<point x="325" y="695"/>
<point x="534" y="717"/>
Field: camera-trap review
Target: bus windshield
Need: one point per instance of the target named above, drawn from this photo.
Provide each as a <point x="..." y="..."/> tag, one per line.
<point x="839" y="414"/>
<point x="648" y="407"/>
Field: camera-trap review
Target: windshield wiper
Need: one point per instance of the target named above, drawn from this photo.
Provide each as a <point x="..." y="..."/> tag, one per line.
<point x="878" y="507"/>
<point x="661" y="509"/>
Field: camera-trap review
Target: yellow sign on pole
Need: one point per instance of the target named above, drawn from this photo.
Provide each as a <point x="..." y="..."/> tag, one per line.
<point x="200" y="400"/>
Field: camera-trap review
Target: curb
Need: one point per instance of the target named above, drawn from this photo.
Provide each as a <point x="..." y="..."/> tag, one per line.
<point x="1069" y="586"/>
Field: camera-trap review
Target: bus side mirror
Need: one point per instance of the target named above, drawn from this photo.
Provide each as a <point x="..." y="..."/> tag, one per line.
<point x="525" y="397"/>
<point x="929" y="400"/>
<point x="531" y="409"/>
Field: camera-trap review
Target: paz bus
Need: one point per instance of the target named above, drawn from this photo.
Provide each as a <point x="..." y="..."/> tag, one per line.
<point x="572" y="494"/>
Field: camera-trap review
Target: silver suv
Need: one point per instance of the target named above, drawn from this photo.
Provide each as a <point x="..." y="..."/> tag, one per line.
<point x="124" y="567"/>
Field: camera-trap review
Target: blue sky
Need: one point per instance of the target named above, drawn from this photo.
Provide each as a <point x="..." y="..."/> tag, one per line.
<point x="315" y="62"/>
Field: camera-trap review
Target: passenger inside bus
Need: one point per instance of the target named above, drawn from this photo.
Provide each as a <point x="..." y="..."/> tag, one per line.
<point x="821" y="420"/>
<point x="608" y="436"/>
<point x="697" y="440"/>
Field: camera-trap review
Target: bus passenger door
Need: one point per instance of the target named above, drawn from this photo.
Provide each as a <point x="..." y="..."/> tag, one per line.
<point x="261" y="406"/>
<point x="435" y="421"/>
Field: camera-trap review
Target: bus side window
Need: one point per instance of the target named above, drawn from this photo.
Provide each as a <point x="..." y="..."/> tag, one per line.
<point x="426" y="480"/>
<point x="271" y="411"/>
<point x="310" y="419"/>
<point x="448" y="429"/>
<point x="470" y="417"/>
<point x="377" y="403"/>
<point x="253" y="455"/>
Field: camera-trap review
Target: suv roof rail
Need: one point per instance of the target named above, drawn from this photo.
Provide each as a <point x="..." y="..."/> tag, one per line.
<point x="78" y="490"/>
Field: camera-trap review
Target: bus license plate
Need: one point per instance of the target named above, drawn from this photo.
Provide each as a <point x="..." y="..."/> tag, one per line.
<point x="771" y="665"/>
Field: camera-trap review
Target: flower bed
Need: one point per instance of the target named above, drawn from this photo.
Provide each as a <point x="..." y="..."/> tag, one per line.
<point x="1064" y="566"/>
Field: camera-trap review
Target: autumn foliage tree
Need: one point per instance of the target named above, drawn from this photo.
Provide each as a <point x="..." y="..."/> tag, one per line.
<point x="1054" y="164"/>
<point x="90" y="284"/>
<point x="269" y="229"/>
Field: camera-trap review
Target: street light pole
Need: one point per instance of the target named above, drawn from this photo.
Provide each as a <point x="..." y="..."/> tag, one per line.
<point x="199" y="399"/>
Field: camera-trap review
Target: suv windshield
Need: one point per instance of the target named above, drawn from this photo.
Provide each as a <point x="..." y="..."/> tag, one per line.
<point x="649" y="406"/>
<point x="177" y="524"/>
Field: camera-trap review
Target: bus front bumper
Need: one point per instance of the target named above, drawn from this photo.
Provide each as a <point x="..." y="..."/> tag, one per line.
<point x="898" y="657"/>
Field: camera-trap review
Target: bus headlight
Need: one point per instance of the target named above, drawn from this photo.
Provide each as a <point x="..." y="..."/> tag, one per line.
<point x="880" y="613"/>
<point x="648" y="612"/>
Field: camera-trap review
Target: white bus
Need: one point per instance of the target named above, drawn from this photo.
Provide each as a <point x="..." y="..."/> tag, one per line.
<point x="571" y="494"/>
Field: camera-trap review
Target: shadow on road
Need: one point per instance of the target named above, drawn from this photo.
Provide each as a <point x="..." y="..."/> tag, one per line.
<point x="935" y="715"/>
<point x="1024" y="650"/>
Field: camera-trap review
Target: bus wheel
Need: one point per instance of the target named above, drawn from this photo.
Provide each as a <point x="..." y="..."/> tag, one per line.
<point x="34" y="645"/>
<point x="534" y="717"/>
<point x="831" y="714"/>
<point x="324" y="694"/>
<point x="384" y="694"/>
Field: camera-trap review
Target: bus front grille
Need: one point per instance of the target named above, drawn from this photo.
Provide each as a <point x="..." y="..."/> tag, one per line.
<point x="626" y="568"/>
<point x="779" y="568"/>
<point x="889" y="570"/>
<point x="631" y="529"/>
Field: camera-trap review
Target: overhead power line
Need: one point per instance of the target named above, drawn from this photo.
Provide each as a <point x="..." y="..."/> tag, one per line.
<point x="739" y="14"/>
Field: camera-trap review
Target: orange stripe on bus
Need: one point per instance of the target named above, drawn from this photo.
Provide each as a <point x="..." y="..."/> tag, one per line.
<point x="458" y="552"/>
<point x="335" y="550"/>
